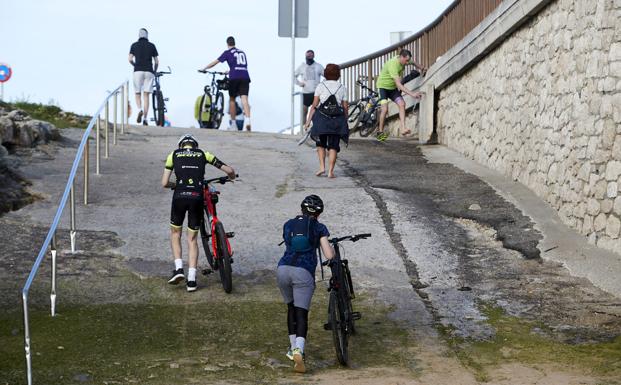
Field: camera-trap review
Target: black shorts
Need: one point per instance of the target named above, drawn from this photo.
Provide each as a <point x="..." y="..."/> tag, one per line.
<point x="193" y="206"/>
<point x="238" y="87"/>
<point x="385" y="94"/>
<point x="307" y="99"/>
<point x="330" y="142"/>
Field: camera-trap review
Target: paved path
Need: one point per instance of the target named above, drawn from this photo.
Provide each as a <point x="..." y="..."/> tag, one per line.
<point x="435" y="258"/>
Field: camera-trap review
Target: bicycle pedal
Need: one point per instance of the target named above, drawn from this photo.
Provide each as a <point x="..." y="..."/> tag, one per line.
<point x="355" y="315"/>
<point x="230" y="234"/>
<point x="231" y="259"/>
<point x="207" y="271"/>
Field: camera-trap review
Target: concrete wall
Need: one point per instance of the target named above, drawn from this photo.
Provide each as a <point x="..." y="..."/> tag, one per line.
<point x="544" y="108"/>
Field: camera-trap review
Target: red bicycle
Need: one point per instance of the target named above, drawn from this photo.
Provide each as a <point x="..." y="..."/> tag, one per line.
<point x="219" y="255"/>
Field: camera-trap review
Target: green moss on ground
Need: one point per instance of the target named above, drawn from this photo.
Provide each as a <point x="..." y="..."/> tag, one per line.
<point x="240" y="337"/>
<point x="518" y="340"/>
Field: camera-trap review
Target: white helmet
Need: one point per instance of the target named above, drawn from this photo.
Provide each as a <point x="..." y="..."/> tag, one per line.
<point x="187" y="138"/>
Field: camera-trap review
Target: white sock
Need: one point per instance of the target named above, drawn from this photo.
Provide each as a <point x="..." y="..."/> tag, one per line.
<point x="231" y="123"/>
<point x="292" y="341"/>
<point x="299" y="343"/>
<point x="246" y="120"/>
<point x="178" y="264"/>
<point x="192" y="274"/>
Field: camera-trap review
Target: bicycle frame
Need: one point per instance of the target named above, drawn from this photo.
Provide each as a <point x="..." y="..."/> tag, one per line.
<point x="158" y="90"/>
<point x="212" y="217"/>
<point x="215" y="91"/>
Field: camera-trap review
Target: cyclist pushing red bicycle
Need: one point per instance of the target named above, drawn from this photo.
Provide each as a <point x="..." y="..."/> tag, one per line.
<point x="188" y="162"/>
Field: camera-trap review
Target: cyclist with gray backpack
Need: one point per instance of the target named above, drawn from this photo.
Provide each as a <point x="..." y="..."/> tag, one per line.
<point x="328" y="113"/>
<point x="302" y="236"/>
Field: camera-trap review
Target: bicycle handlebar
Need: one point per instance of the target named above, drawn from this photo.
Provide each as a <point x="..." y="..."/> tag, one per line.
<point x="213" y="72"/>
<point x="160" y="73"/>
<point x="362" y="85"/>
<point x="353" y="238"/>
<point x="220" y="179"/>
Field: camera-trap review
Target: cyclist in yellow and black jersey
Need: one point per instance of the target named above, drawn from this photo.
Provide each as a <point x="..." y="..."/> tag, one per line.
<point x="188" y="162"/>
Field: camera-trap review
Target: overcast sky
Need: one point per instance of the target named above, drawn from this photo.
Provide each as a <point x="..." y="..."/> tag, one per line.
<point x="72" y="51"/>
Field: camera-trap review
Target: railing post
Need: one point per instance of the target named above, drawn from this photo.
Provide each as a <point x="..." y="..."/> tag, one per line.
<point x="27" y="338"/>
<point x="86" y="155"/>
<point x="126" y="117"/>
<point x="106" y="154"/>
<point x="97" y="155"/>
<point x="123" y="109"/>
<point x="370" y="73"/>
<point x="53" y="292"/>
<point x="72" y="211"/>
<point x="114" y="112"/>
<point x="302" y="116"/>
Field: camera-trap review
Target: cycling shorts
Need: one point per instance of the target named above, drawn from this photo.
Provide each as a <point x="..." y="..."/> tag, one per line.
<point x="393" y="95"/>
<point x="194" y="208"/>
<point x="238" y="87"/>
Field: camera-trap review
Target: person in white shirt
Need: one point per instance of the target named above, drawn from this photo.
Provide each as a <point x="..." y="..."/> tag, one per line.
<point x="329" y="116"/>
<point x="308" y="75"/>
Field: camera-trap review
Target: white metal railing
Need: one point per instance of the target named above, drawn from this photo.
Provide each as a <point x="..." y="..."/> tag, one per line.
<point x="69" y="193"/>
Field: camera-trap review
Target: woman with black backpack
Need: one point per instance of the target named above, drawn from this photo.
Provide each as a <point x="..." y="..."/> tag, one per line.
<point x="329" y="116"/>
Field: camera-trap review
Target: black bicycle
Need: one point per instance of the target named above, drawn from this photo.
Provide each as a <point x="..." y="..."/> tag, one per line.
<point x="209" y="108"/>
<point x="341" y="315"/>
<point x="159" y="101"/>
<point x="364" y="115"/>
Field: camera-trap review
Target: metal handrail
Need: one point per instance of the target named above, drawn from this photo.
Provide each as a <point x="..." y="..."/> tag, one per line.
<point x="457" y="20"/>
<point x="50" y="239"/>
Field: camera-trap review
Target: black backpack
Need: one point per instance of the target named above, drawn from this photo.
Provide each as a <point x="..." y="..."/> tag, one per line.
<point x="331" y="107"/>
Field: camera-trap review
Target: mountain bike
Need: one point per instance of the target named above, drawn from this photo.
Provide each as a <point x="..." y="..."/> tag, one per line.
<point x="218" y="252"/>
<point x="365" y="114"/>
<point x="341" y="316"/>
<point x="210" y="108"/>
<point x="159" y="106"/>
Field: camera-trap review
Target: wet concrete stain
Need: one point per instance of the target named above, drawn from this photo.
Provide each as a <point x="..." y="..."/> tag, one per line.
<point x="482" y="257"/>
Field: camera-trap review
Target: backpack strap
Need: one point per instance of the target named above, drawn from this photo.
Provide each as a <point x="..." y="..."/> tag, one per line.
<point x="337" y="90"/>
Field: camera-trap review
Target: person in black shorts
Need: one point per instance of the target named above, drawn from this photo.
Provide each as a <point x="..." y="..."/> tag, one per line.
<point x="239" y="79"/>
<point x="308" y="75"/>
<point x="188" y="162"/>
<point x="328" y="113"/>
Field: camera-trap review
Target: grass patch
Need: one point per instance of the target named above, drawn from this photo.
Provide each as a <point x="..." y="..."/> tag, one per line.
<point x="49" y="113"/>
<point x="237" y="338"/>
<point x="517" y="340"/>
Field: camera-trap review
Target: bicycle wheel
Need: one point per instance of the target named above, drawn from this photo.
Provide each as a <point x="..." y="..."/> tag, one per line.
<point x="205" y="242"/>
<point x="219" y="111"/>
<point x="224" y="259"/>
<point x="159" y="112"/>
<point x="369" y="123"/>
<point x="337" y="324"/>
<point x="353" y="119"/>
<point x="348" y="295"/>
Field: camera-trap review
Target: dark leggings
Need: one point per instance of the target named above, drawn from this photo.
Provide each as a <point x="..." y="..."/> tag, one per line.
<point x="297" y="320"/>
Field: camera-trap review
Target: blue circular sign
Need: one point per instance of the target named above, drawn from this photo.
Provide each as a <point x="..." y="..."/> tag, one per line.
<point x="5" y="72"/>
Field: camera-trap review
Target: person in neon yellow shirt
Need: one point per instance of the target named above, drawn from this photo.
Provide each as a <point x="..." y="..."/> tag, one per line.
<point x="390" y="87"/>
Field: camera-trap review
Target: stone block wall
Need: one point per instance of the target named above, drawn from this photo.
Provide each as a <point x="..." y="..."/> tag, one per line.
<point x="544" y="108"/>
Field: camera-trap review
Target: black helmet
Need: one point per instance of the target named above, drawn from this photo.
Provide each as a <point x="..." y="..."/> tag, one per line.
<point x="187" y="138"/>
<point x="312" y="204"/>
